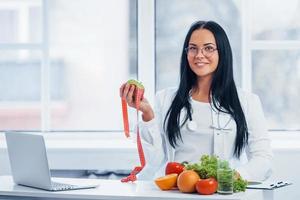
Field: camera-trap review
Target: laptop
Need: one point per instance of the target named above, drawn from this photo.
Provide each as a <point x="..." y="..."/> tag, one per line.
<point x="29" y="162"/>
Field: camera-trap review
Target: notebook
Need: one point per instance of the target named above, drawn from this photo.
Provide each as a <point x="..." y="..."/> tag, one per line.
<point x="29" y="162"/>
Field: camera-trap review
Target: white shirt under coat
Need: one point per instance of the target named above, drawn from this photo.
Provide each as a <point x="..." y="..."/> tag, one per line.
<point x="197" y="134"/>
<point x="254" y="162"/>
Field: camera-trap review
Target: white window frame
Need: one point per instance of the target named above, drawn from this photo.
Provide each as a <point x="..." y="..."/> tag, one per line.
<point x="146" y="46"/>
<point x="249" y="45"/>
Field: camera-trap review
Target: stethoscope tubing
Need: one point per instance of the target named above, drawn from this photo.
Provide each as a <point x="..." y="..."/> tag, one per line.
<point x="192" y="125"/>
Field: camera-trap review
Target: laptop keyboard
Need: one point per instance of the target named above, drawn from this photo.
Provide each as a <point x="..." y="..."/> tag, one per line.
<point x="62" y="186"/>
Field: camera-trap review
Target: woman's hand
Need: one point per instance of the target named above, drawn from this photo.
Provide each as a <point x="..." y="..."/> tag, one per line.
<point x="127" y="92"/>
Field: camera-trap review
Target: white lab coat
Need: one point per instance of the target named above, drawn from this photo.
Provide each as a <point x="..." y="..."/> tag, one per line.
<point x="255" y="160"/>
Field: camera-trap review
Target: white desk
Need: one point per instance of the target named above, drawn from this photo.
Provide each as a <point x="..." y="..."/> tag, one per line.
<point x="112" y="190"/>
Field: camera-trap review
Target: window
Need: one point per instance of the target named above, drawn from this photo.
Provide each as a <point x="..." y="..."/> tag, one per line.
<point x="20" y="65"/>
<point x="62" y="62"/>
<point x="276" y="78"/>
<point x="275" y="60"/>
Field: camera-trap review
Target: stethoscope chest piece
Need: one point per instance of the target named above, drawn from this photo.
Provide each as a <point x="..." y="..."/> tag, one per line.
<point x="192" y="125"/>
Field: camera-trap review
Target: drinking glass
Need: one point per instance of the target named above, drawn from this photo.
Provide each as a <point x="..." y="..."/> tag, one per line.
<point x="225" y="177"/>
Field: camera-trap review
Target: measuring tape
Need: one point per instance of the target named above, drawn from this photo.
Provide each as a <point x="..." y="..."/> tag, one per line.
<point x="139" y="95"/>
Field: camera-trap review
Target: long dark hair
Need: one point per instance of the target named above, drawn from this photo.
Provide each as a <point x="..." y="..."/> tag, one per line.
<point x="224" y="96"/>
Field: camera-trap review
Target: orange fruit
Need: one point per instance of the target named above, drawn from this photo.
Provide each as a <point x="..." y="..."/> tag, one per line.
<point x="187" y="180"/>
<point x="166" y="182"/>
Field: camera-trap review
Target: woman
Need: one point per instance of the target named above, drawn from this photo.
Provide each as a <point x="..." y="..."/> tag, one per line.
<point x="206" y="114"/>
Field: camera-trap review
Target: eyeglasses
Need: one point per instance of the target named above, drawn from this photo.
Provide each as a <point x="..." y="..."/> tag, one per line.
<point x="207" y="51"/>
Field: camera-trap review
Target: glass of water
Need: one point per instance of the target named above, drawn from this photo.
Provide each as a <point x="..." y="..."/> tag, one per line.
<point x="225" y="177"/>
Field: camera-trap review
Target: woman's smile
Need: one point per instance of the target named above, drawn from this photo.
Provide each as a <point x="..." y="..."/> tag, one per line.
<point x="201" y="64"/>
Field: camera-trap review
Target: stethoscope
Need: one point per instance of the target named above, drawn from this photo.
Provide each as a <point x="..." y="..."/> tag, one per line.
<point x="193" y="126"/>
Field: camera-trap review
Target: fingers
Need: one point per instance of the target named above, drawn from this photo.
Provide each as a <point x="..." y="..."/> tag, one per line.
<point x="130" y="94"/>
<point x="122" y="89"/>
<point x="127" y="92"/>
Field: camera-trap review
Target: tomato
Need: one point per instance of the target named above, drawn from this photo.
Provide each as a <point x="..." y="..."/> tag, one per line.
<point x="207" y="186"/>
<point x="174" y="167"/>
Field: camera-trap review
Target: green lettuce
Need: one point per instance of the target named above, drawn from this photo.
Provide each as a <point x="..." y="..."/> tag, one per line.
<point x="207" y="168"/>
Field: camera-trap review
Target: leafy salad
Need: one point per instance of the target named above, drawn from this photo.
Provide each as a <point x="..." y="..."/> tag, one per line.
<point x="207" y="168"/>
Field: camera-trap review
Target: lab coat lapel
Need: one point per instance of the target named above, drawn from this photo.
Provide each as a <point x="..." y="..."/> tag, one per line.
<point x="170" y="149"/>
